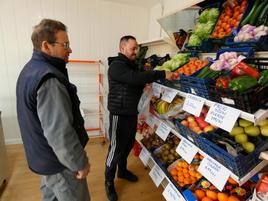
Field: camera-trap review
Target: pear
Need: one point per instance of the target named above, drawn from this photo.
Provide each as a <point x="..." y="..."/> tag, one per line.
<point x="252" y="131"/>
<point x="263" y="122"/>
<point x="245" y="123"/>
<point x="248" y="147"/>
<point x="236" y="130"/>
<point x="264" y="130"/>
<point x="241" y="138"/>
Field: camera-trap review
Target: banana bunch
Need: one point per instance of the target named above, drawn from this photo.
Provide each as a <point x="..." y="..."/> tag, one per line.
<point x="163" y="107"/>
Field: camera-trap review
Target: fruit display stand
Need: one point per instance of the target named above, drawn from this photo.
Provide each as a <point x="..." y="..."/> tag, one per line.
<point x="256" y="117"/>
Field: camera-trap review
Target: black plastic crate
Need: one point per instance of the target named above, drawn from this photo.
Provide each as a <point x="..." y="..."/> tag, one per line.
<point x="248" y="101"/>
<point x="260" y="45"/>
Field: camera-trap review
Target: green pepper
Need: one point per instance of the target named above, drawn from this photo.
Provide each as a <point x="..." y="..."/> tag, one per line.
<point x="243" y="83"/>
<point x="263" y="80"/>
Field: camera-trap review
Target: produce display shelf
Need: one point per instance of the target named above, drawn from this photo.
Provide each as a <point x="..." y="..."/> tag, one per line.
<point x="255" y="118"/>
<point x="151" y="163"/>
<point x="240" y="181"/>
<point x="264" y="155"/>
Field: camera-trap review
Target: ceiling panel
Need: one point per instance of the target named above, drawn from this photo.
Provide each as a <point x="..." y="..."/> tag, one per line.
<point x="141" y="3"/>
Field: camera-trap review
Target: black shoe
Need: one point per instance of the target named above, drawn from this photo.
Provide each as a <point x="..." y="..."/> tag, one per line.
<point x="128" y="176"/>
<point x="110" y="191"/>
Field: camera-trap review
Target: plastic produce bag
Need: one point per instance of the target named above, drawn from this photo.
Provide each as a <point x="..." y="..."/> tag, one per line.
<point x="144" y="103"/>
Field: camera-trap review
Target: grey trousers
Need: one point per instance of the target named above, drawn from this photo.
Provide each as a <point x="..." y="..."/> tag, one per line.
<point x="64" y="186"/>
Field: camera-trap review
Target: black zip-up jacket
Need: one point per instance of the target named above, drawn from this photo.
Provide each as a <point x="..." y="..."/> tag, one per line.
<point x="126" y="84"/>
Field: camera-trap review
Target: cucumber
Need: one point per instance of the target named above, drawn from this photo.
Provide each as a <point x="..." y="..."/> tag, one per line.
<point x="248" y="17"/>
<point x="262" y="18"/>
<point x="203" y="71"/>
<point x="256" y="13"/>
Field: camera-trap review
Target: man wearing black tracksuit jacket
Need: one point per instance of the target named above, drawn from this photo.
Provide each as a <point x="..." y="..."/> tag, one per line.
<point x="126" y="85"/>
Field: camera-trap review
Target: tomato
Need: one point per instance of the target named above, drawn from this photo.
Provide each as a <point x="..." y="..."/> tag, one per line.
<point x="219" y="23"/>
<point x="226" y="18"/>
<point x="220" y="30"/>
<point x="239" y="17"/>
<point x="237" y="9"/>
<point x="236" y="14"/>
<point x="236" y="24"/>
<point x="221" y="34"/>
<point x="228" y="31"/>
<point x="215" y="35"/>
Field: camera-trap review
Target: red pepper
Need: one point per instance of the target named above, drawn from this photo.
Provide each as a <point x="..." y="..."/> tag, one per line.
<point x="223" y="82"/>
<point x="247" y="69"/>
<point x="236" y="71"/>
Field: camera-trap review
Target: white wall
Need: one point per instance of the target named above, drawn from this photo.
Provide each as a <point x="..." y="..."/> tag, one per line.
<point x="95" y="28"/>
<point x="158" y="11"/>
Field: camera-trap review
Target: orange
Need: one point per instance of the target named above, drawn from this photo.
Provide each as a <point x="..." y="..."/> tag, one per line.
<point x="185" y="164"/>
<point x="206" y="199"/>
<point x="199" y="194"/>
<point x="192" y="173"/>
<point x="179" y="169"/>
<point x="233" y="198"/>
<point x="232" y="181"/>
<point x="222" y="196"/>
<point x="180" y="178"/>
<point x="186" y="175"/>
<point x="180" y="174"/>
<point x="175" y="178"/>
<point x="187" y="181"/>
<point x="212" y="195"/>
<point x="179" y="164"/>
<point x="184" y="170"/>
<point x="173" y="172"/>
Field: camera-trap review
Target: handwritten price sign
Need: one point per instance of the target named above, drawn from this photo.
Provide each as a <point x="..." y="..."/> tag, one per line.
<point x="222" y="116"/>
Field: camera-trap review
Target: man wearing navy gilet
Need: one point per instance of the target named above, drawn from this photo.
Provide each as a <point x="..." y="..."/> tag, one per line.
<point x="50" y="121"/>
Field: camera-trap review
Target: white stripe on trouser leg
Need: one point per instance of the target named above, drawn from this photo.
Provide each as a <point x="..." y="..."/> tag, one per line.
<point x="113" y="142"/>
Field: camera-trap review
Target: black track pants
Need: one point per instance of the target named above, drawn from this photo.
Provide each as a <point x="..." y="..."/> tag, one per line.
<point x="122" y="133"/>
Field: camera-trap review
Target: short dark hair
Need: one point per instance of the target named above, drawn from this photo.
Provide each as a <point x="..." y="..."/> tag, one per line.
<point x="45" y="31"/>
<point x="126" y="38"/>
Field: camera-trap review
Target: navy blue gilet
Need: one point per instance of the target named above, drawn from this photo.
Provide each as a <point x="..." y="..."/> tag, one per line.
<point x="40" y="156"/>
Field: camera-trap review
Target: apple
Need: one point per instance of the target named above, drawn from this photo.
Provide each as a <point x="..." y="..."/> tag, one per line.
<point x="190" y="119"/>
<point x="196" y="129"/>
<point x="193" y="124"/>
<point x="208" y="128"/>
<point x="185" y="123"/>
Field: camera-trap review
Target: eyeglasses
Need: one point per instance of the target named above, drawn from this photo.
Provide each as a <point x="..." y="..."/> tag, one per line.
<point x="66" y="45"/>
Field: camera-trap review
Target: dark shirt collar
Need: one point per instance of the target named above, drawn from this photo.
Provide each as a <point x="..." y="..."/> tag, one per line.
<point x="58" y="63"/>
<point x="124" y="57"/>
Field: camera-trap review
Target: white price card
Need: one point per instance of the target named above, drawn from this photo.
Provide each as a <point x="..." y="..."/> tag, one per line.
<point x="222" y="116"/>
<point x="169" y="94"/>
<point x="157" y="175"/>
<point x="216" y="173"/>
<point x="163" y="130"/>
<point x="157" y="88"/>
<point x="150" y="120"/>
<point x="187" y="150"/>
<point x="172" y="194"/>
<point x="193" y="104"/>
<point x="144" y="156"/>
